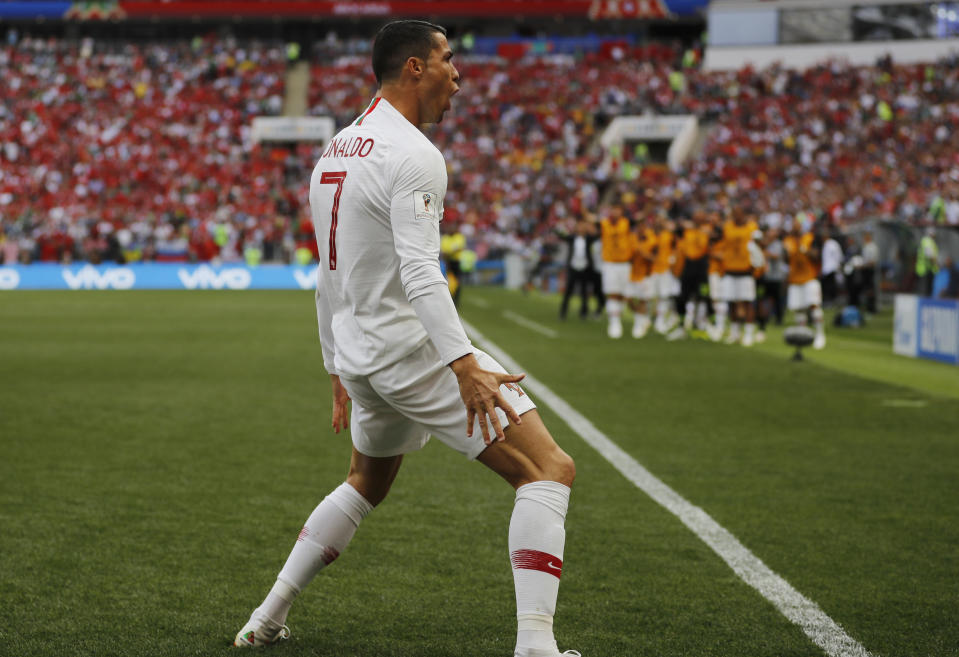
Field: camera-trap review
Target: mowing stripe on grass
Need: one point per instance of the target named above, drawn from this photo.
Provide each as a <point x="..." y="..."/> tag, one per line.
<point x="530" y="324"/>
<point x="820" y="628"/>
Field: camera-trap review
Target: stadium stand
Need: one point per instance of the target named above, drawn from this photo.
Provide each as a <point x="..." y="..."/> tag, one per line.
<point x="142" y="151"/>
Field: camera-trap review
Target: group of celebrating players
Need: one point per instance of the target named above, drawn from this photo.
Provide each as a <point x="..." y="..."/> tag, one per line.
<point x="674" y="274"/>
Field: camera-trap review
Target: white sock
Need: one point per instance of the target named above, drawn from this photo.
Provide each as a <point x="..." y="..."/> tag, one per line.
<point x="722" y="308"/>
<point x="662" y="310"/>
<point x="817" y="317"/>
<point x="536" y="540"/>
<point x="690" y="315"/>
<point x="734" y="330"/>
<point x="613" y="308"/>
<point x="750" y="330"/>
<point x="700" y="314"/>
<point x="326" y="533"/>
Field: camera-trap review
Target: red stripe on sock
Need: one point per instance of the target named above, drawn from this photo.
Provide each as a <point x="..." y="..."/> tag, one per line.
<point x="536" y="560"/>
<point x="303" y="534"/>
<point x="330" y="555"/>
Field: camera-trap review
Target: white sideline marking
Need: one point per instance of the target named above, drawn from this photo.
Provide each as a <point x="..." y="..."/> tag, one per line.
<point x="530" y="324"/>
<point x="820" y="628"/>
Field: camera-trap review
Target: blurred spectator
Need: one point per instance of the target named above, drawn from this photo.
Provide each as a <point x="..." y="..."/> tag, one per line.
<point x="832" y="257"/>
<point x="870" y="264"/>
<point x="927" y="262"/>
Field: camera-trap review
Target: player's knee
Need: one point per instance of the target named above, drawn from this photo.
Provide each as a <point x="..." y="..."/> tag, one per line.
<point x="561" y="468"/>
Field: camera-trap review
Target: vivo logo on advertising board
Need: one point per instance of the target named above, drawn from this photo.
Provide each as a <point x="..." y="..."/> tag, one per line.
<point x="305" y="279"/>
<point x="206" y="278"/>
<point x="9" y="279"/>
<point x="939" y="330"/>
<point x="89" y="278"/>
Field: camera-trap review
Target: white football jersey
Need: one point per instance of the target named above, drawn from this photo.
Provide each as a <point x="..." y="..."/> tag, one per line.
<point x="376" y="197"/>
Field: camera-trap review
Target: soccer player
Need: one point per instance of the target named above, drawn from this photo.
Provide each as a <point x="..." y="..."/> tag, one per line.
<point x="717" y="287"/>
<point x="393" y="344"/>
<point x="666" y="284"/>
<point x="694" y="248"/>
<point x="617" y="251"/>
<point x="740" y="284"/>
<point x="757" y="261"/>
<point x="804" y="294"/>
<point x="640" y="289"/>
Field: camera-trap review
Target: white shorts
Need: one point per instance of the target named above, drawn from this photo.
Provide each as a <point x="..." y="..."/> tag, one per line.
<point x="739" y="288"/>
<point x="643" y="290"/>
<point x="397" y="408"/>
<point x="716" y="291"/>
<point x="616" y="277"/>
<point x="800" y="297"/>
<point x="666" y="285"/>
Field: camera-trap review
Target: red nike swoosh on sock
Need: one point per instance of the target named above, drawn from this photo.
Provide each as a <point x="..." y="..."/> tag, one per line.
<point x="536" y="560"/>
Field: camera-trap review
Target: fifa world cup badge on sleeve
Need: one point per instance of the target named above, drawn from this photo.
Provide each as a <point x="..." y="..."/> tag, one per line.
<point x="425" y="205"/>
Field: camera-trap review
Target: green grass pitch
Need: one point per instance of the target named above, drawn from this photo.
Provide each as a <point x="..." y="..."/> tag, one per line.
<point x="161" y="450"/>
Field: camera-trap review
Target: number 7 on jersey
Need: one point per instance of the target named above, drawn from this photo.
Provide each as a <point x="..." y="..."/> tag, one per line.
<point x="334" y="178"/>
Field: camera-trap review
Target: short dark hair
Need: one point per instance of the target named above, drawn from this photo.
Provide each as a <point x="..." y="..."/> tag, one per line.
<point x="396" y="42"/>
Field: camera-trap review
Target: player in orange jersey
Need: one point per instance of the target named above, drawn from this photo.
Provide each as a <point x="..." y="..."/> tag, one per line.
<point x="757" y="260"/>
<point x="717" y="247"/>
<point x="641" y="290"/>
<point x="694" y="250"/>
<point x="667" y="287"/>
<point x="740" y="285"/>
<point x="617" y="251"/>
<point x="804" y="295"/>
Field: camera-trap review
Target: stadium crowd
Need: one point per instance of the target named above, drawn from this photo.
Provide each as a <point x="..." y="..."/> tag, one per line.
<point x="143" y="152"/>
<point x="140" y="151"/>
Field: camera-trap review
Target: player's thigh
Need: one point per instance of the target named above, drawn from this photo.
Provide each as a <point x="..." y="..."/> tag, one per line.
<point x="640" y="290"/>
<point x="812" y="292"/>
<point x="529" y="454"/>
<point x="433" y="402"/>
<point x="795" y="298"/>
<point x="674" y="285"/>
<point x="661" y="285"/>
<point x="377" y="428"/>
<point x="746" y="288"/>
<point x="647" y="289"/>
<point x="729" y="288"/>
<point x="615" y="277"/>
<point x="716" y="292"/>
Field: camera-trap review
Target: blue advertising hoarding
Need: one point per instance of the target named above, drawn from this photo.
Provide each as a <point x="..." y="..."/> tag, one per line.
<point x="927" y="328"/>
<point x="156" y="276"/>
<point x="182" y="276"/>
<point x="34" y="9"/>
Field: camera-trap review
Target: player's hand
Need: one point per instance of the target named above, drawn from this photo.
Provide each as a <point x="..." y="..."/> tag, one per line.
<point x="341" y="412"/>
<point x="480" y="392"/>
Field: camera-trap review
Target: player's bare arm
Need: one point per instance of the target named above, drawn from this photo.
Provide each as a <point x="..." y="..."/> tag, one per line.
<point x="480" y="391"/>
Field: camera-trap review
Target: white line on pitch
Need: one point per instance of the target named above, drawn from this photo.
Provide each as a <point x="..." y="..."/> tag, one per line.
<point x="530" y="324"/>
<point x="476" y="301"/>
<point x="820" y="628"/>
